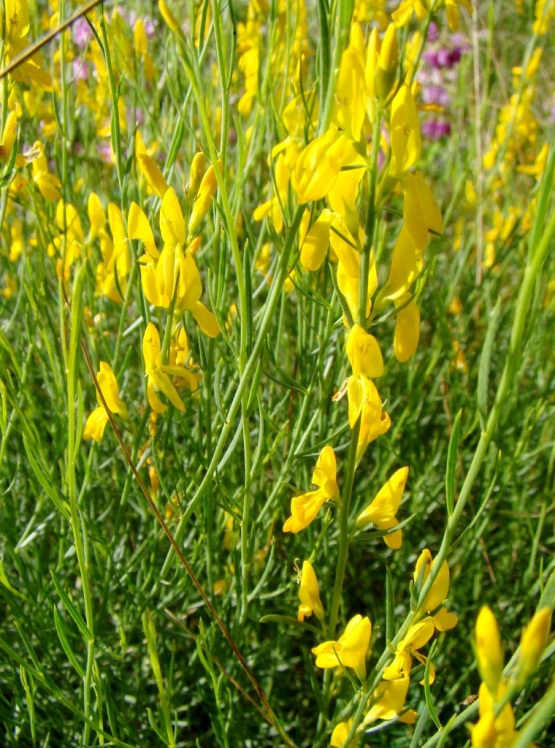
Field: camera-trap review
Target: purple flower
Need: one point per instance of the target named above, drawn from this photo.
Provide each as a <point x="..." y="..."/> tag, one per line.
<point x="432" y="32"/>
<point x="105" y="152"/>
<point x="431" y="57"/>
<point x="80" y="70"/>
<point x="436" y="129"/>
<point x="82" y="33"/>
<point x="435" y="95"/>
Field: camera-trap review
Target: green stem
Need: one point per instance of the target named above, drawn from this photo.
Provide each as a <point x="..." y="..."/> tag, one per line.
<point x="250" y="368"/>
<point x="77" y="525"/>
<point x="371" y="216"/>
<point x="343" y="16"/>
<point x="116" y="131"/>
<point x="346" y="495"/>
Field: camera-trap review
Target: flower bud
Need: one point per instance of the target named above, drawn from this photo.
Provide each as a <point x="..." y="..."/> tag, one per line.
<point x="309" y="594"/>
<point x="488" y="649"/>
<point x="532" y="644"/>
<point x="198" y="165"/>
<point x="388" y="62"/>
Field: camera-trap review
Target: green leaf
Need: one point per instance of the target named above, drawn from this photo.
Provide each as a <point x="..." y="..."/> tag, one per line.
<point x="452" y="455"/>
<point x="72" y="609"/>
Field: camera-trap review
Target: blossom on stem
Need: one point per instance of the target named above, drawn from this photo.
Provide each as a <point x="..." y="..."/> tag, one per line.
<point x="309" y="594"/>
<point x="159" y="374"/>
<point x="381" y="512"/>
<point x="170" y="277"/>
<point x="442" y="618"/>
<point x="533" y="642"/>
<point x="489" y="652"/>
<point x="340" y="734"/>
<point x="350" y="650"/>
<point x="304" y="508"/>
<point x="96" y="422"/>
<point x="319" y="164"/>
<point x="417" y="636"/>
<point x="389" y="702"/>
<point x="364" y="354"/>
<point x="15" y="30"/>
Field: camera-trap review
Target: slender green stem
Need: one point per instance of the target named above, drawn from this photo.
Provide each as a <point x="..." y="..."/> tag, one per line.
<point x="342" y="553"/>
<point x="343" y="15"/>
<point x="250" y="368"/>
<point x="77" y="524"/>
<point x="116" y="130"/>
<point x="371" y="220"/>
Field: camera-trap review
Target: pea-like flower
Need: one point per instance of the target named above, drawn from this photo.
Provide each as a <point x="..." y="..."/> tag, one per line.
<point x="96" y="422"/>
<point x="442" y="618"/>
<point x="382" y="511"/>
<point x="350" y="650"/>
<point x="417" y="636"/>
<point x="159" y="374"/>
<point x="172" y="275"/>
<point x="363" y="351"/>
<point x="389" y="701"/>
<point x="304" y="508"/>
<point x="319" y="164"/>
<point x="309" y="594"/>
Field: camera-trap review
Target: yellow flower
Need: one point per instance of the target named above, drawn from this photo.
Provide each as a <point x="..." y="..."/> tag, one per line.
<point x="172" y="276"/>
<point x="420" y="211"/>
<point x="141" y="48"/>
<point x="340" y="734"/>
<point x="488" y="649"/>
<point x="198" y="167"/>
<point x="383" y="509"/>
<point x="49" y="185"/>
<point x="363" y="352"/>
<point x="389" y="701"/>
<point x="350" y="93"/>
<point x="309" y="594"/>
<point x="406" y="265"/>
<point x="491" y="731"/>
<point x="316" y="241"/>
<point x="532" y="644"/>
<point x="417" y="636"/>
<point x="442" y="618"/>
<point x="203" y="199"/>
<point x="112" y="273"/>
<point x="15" y="30"/>
<point x="304" y="508"/>
<point x="350" y="650"/>
<point x="407" y="328"/>
<point x="388" y="61"/>
<point x="404" y="128"/>
<point x="148" y="168"/>
<point x="158" y="373"/>
<point x="96" y="422"/>
<point x="319" y="164"/>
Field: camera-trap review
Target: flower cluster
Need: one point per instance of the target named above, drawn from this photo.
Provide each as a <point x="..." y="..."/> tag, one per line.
<point x="437" y="77"/>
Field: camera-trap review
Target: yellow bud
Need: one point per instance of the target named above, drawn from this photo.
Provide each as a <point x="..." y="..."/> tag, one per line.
<point x="168" y="16"/>
<point x="198" y="166"/>
<point x="488" y="648"/>
<point x="388" y="62"/>
<point x="309" y="594"/>
<point x="532" y="644"/>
